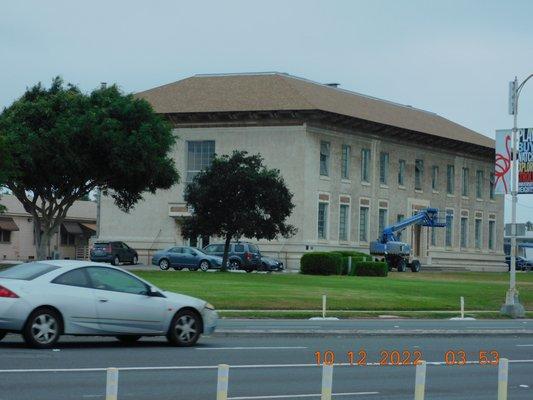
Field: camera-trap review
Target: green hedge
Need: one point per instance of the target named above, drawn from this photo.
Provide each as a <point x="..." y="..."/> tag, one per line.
<point x="371" y="268"/>
<point x="321" y="263"/>
<point x="356" y="257"/>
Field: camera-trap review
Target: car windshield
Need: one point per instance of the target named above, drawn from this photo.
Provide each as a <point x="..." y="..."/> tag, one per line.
<point x="27" y="271"/>
<point x="100" y="245"/>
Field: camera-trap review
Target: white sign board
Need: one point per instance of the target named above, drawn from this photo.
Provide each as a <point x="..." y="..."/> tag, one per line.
<point x="502" y="166"/>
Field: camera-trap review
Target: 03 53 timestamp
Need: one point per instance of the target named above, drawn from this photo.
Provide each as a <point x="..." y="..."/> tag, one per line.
<point x="407" y="357"/>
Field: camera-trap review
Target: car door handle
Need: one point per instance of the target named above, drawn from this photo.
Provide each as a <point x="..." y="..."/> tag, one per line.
<point x="102" y="300"/>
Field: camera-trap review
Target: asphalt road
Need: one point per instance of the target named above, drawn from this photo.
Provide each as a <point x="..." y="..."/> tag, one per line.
<point x="376" y="326"/>
<point x="259" y="368"/>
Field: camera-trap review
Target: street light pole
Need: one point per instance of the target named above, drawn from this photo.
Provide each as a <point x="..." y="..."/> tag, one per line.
<point x="512" y="306"/>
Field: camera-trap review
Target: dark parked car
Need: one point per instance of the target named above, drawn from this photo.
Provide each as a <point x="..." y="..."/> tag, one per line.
<point x="179" y="257"/>
<point x="241" y="255"/>
<point x="271" y="264"/>
<point x="114" y="253"/>
<point x="522" y="264"/>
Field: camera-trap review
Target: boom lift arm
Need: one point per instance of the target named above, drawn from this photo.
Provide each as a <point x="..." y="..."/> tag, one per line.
<point x="397" y="253"/>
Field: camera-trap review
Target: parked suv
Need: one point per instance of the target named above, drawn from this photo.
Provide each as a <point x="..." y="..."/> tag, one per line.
<point x="114" y="253"/>
<point x="522" y="264"/>
<point x="241" y="255"/>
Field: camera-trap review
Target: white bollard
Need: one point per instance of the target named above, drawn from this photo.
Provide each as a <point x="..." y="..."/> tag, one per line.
<point x="462" y="307"/>
<point x="324" y="305"/>
<point x="503" y="373"/>
<point x="420" y="380"/>
<point x="111" y="391"/>
<point x="327" y="382"/>
<point x="222" y="382"/>
<point x="349" y="266"/>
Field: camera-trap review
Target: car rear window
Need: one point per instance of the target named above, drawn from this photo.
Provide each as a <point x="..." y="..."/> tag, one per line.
<point x="101" y="245"/>
<point x="239" y="248"/>
<point x="27" y="272"/>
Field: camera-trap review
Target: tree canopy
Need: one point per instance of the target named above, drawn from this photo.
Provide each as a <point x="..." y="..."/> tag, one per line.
<point x="59" y="144"/>
<point x="237" y="196"/>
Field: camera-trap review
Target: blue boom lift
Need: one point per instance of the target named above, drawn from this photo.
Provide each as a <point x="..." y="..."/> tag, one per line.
<point x="397" y="254"/>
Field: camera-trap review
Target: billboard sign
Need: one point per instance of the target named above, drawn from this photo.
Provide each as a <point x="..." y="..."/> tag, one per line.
<point x="502" y="166"/>
<point x="525" y="161"/>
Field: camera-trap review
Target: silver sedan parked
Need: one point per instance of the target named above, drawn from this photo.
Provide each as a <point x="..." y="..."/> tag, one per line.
<point x="43" y="300"/>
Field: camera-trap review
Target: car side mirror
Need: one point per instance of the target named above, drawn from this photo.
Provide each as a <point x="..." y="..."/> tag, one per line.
<point x="151" y="292"/>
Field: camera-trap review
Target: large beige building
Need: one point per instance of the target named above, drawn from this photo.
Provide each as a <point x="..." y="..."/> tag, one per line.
<point x="354" y="163"/>
<point x="17" y="239"/>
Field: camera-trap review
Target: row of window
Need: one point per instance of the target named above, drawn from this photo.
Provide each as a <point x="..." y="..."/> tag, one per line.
<point x="5" y="236"/>
<point x="384" y="161"/>
<point x="364" y="226"/>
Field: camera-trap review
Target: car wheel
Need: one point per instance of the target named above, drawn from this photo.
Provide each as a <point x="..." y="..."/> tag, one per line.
<point x="415" y="266"/>
<point x="135" y="260"/>
<point x="400" y="265"/>
<point x="163" y="264"/>
<point x="234" y="265"/>
<point x="184" y="329"/>
<point x="116" y="261"/>
<point x="128" y="338"/>
<point x="204" y="265"/>
<point x="2" y="334"/>
<point x="43" y="328"/>
<point x="265" y="267"/>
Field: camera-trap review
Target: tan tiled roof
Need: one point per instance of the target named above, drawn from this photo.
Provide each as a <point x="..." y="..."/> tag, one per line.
<point x="277" y="91"/>
<point x="80" y="210"/>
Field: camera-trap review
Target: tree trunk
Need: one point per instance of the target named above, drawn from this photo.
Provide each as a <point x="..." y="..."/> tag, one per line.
<point x="226" y="251"/>
<point x="42" y="244"/>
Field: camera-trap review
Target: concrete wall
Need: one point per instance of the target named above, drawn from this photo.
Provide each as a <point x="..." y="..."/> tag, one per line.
<point x="295" y="150"/>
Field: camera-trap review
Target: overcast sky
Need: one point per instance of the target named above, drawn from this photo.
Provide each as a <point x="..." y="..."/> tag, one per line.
<point x="451" y="57"/>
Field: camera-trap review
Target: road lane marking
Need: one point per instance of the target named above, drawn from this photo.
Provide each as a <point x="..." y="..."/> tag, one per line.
<point x="238" y="366"/>
<point x="293" y="396"/>
<point x="524" y="345"/>
<point x="253" y="348"/>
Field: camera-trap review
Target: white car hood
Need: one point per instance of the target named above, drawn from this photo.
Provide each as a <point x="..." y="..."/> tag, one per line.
<point x="182" y="300"/>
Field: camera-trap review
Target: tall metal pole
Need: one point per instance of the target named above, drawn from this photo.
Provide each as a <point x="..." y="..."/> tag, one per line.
<point x="103" y="86"/>
<point x="512" y="305"/>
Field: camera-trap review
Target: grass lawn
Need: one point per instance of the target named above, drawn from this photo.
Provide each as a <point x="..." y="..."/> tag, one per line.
<point x="399" y="291"/>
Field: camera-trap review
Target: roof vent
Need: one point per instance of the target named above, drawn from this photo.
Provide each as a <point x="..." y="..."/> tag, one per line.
<point x="332" y="84"/>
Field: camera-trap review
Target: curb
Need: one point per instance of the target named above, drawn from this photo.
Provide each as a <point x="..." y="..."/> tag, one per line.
<point x="385" y="332"/>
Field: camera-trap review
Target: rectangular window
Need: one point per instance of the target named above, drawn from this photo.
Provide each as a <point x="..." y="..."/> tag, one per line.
<point x="383" y="168"/>
<point x="363" y="224"/>
<point x="434" y="177"/>
<point x="401" y="173"/>
<point x="479" y="184"/>
<point x="449" y="228"/>
<point x="344" y="224"/>
<point x="365" y="165"/>
<point x="419" y="174"/>
<point x="399" y="218"/>
<point x="492" y="234"/>
<point x="322" y="220"/>
<point x="491" y="187"/>
<point x="478" y="233"/>
<point x="200" y="154"/>
<point x="433" y="237"/>
<point x="464" y="232"/>
<point x="464" y="189"/>
<point x="345" y="162"/>
<point x="67" y="239"/>
<point x="383" y="220"/>
<point x="324" y="158"/>
<point x="5" y="236"/>
<point x="450" y="179"/>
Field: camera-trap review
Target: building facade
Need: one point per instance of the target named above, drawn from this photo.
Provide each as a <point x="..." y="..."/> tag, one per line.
<point x="355" y="165"/>
<point x="17" y="239"/>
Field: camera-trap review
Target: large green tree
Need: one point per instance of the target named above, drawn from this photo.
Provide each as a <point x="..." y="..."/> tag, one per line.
<point x="237" y="196"/>
<point x="60" y="144"/>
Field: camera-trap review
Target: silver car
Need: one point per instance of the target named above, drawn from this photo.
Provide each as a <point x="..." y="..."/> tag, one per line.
<point x="43" y="300"/>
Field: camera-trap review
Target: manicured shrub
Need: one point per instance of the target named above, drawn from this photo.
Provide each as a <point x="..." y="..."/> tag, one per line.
<point x="371" y="268"/>
<point x="321" y="263"/>
<point x="356" y="257"/>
